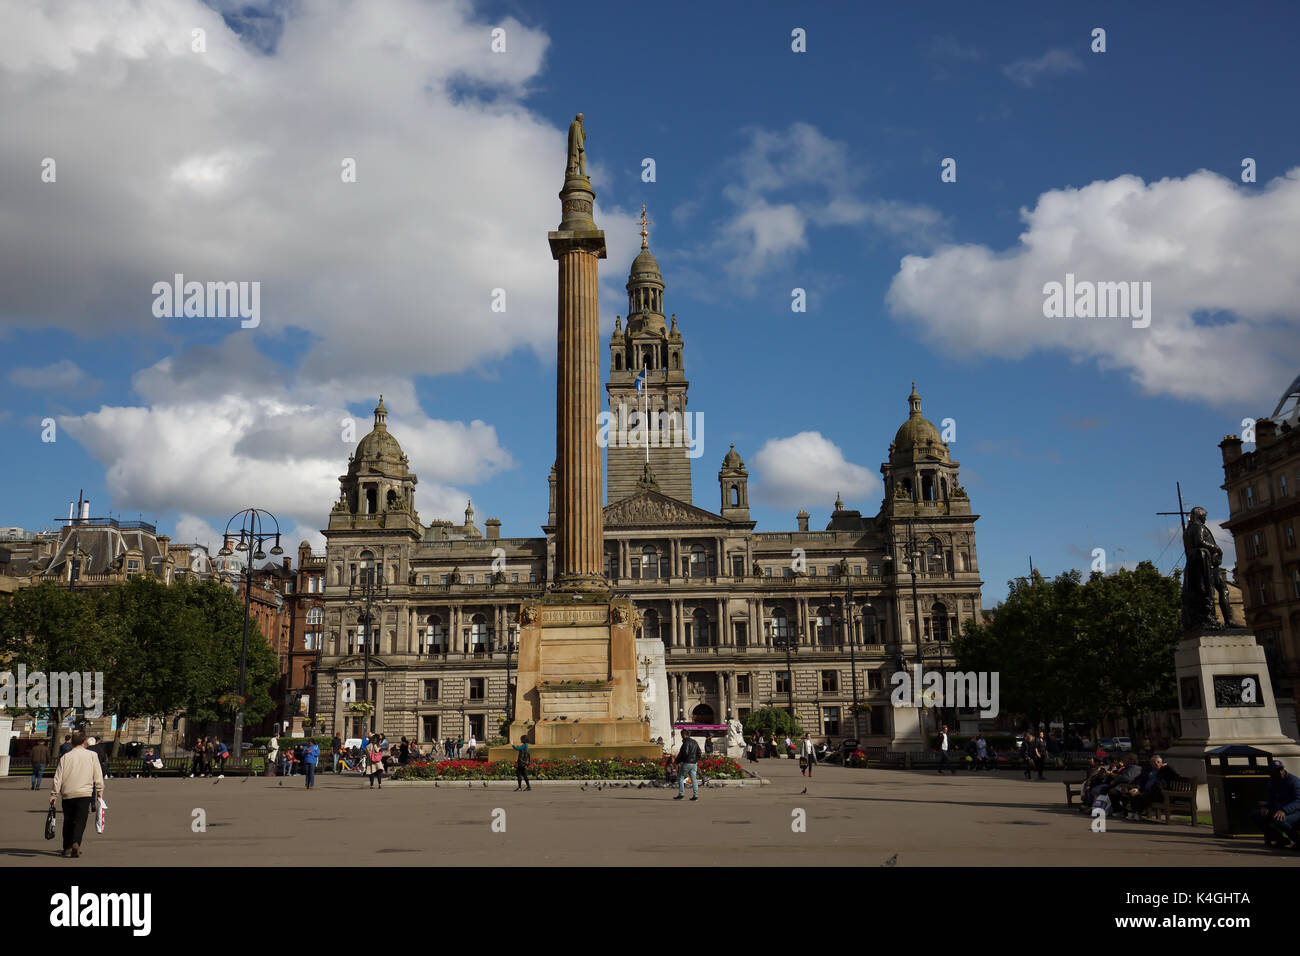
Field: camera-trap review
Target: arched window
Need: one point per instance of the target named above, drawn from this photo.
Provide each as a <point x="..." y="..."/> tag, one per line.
<point x="700" y="621"/>
<point x="372" y="503"/>
<point x="618" y="362"/>
<point x="907" y="487"/>
<point x="367" y="564"/>
<point x="735" y="495"/>
<point x="650" y="623"/>
<point x="316" y="616"/>
<point x="780" y="625"/>
<point x="939" y="621"/>
<point x="825" y="626"/>
<point x="702" y="563"/>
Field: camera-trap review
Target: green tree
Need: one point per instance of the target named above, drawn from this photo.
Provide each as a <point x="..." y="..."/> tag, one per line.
<point x="49" y="628"/>
<point x="771" y="720"/>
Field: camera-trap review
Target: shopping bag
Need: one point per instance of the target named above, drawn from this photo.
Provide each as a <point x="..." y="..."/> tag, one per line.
<point x="50" y="826"/>
<point x="101" y="815"/>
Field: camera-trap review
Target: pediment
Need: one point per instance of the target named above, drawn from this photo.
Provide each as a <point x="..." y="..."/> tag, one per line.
<point x="652" y="509"/>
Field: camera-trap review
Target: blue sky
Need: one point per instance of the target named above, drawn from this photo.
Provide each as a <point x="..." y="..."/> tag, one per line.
<point x="775" y="170"/>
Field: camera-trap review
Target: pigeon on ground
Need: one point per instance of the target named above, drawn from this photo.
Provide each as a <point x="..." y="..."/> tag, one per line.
<point x="282" y="783"/>
<point x="892" y="861"/>
<point x="803" y="791"/>
<point x="584" y="786"/>
<point x="484" y="784"/>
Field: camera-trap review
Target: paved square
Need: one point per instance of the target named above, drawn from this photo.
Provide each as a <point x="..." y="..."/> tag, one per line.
<point x="854" y="818"/>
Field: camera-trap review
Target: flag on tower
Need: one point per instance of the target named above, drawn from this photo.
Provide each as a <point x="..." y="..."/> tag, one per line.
<point x="640" y="381"/>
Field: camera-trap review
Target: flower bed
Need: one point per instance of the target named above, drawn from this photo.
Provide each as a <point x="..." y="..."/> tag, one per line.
<point x="614" y="768"/>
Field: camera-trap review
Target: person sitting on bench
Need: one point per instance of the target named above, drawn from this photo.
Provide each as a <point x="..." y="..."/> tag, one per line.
<point x="1278" y="815"/>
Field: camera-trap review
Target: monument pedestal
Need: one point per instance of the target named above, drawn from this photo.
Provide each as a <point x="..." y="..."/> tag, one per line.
<point x="1225" y="697"/>
<point x="908" y="735"/>
<point x="654" y="688"/>
<point x="577" y="693"/>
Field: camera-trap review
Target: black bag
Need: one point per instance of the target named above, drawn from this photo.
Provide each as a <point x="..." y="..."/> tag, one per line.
<point x="51" y="823"/>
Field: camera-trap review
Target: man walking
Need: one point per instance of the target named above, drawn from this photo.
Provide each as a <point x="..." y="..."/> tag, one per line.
<point x="336" y="752"/>
<point x="943" y="752"/>
<point x="688" y="765"/>
<point x="273" y="755"/>
<point x="521" y="765"/>
<point x="807" y="756"/>
<point x="40" y="757"/>
<point x="76" y="779"/>
<point x="310" y="756"/>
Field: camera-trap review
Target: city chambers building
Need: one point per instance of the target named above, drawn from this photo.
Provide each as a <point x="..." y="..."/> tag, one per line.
<point x="748" y="618"/>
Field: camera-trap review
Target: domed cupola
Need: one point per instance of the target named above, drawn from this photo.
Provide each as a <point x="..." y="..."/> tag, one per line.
<point x="645" y="289"/>
<point x="917" y="437"/>
<point x="920" y="469"/>
<point x="379" y="477"/>
<point x="733" y="479"/>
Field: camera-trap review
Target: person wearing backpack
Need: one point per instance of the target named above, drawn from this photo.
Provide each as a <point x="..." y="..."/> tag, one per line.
<point x="521" y="765"/>
<point x="688" y="765"/>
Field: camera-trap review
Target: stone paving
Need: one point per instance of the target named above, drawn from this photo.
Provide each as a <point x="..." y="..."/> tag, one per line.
<point x="854" y="818"/>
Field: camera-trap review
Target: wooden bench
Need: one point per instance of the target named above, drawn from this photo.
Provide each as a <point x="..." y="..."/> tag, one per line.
<point x="1073" y="788"/>
<point x="1178" y="796"/>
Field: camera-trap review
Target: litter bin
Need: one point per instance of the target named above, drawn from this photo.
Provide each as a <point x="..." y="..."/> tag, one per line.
<point x="1236" y="788"/>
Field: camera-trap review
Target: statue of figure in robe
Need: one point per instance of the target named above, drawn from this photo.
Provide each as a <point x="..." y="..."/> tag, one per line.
<point x="577" y="148"/>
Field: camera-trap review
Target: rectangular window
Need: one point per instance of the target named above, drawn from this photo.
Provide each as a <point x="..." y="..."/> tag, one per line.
<point x="429" y="727"/>
<point x="444" y="579"/>
<point x="469" y="578"/>
<point x="857" y="570"/>
<point x="1282" y="486"/>
<point x="742" y="713"/>
<point x="532" y="577"/>
<point x="875" y="569"/>
<point x="787" y="573"/>
<point x="812" y="572"/>
<point x="782" y="682"/>
<point x="1250" y="497"/>
<point x="741" y="629"/>
<point x="738" y="566"/>
<point x="1290" y="536"/>
<point x="477" y="688"/>
<point x="831" y="681"/>
<point x="429" y="689"/>
<point x="132" y="566"/>
<point x="1295" y="581"/>
<point x="742" y="682"/>
<point x="767" y="572"/>
<point x="875" y="680"/>
<point x="352" y="641"/>
<point x="830" y="721"/>
<point x="514" y="579"/>
<point x="425" y="580"/>
<point x="636" y="569"/>
<point x="476" y="724"/>
<point x="1257" y="543"/>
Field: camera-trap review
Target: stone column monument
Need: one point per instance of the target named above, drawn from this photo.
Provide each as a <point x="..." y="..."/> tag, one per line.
<point x="577" y="692"/>
<point x="1224" y="692"/>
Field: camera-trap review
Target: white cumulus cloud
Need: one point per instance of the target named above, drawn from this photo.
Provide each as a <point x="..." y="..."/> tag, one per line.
<point x="808" y="470"/>
<point x="1222" y="260"/>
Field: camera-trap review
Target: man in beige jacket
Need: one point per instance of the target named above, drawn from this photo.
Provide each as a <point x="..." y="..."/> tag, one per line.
<point x="76" y="779"/>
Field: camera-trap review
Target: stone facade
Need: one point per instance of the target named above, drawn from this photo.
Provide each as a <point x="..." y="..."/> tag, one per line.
<point x="728" y="602"/>
<point x="1263" y="490"/>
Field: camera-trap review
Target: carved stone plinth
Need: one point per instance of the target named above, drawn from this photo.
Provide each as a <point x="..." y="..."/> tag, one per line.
<point x="1225" y="697"/>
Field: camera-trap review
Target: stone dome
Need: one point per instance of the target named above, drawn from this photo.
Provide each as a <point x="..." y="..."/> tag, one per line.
<point x="733" y="461"/>
<point x="379" y="450"/>
<point x="917" y="430"/>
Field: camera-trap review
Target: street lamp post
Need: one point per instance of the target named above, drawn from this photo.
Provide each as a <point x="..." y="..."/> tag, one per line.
<point x="789" y="643"/>
<point x="369" y="589"/>
<point x="850" y="614"/>
<point x="510" y="697"/>
<point x="253" y="535"/>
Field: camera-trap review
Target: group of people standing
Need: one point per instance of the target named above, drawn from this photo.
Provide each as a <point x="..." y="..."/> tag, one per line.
<point x="209" y="756"/>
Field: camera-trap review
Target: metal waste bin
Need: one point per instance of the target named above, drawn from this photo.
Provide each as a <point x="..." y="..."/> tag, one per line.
<point x="1236" y="788"/>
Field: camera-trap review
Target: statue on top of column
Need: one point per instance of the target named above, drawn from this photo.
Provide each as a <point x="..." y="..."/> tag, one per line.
<point x="577" y="148"/>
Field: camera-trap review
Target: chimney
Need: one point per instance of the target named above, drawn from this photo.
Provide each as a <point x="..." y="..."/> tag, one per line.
<point x="286" y="563"/>
<point x="1265" y="432"/>
<point x="493" y="528"/>
<point x="802" y="518"/>
<point x="72" y="511"/>
<point x="85" y="510"/>
<point x="1231" y="448"/>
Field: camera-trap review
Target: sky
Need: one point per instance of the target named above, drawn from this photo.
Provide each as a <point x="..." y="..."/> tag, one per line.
<point x="382" y="169"/>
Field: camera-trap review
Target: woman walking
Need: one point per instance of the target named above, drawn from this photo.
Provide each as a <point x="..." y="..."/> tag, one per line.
<point x="375" y="762"/>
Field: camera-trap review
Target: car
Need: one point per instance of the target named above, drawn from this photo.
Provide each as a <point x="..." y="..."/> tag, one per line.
<point x="1123" y="744"/>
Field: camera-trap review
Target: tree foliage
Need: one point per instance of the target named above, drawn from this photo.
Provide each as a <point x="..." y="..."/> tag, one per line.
<point x="162" y="649"/>
<point x="1081" y="650"/>
<point x="771" y="720"/>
